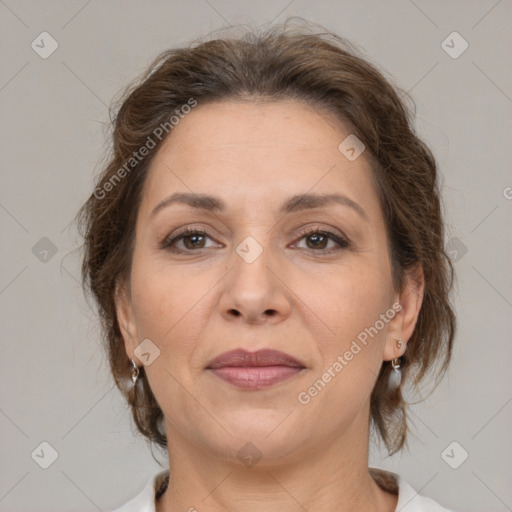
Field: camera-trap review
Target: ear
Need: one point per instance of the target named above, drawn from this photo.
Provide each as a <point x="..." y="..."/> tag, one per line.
<point x="402" y="325"/>
<point x="125" y="317"/>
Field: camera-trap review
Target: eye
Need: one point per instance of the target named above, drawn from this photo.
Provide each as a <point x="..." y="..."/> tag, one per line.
<point x="317" y="240"/>
<point x="187" y="240"/>
<point x="320" y="240"/>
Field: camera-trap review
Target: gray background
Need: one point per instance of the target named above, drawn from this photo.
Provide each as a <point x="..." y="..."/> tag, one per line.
<point x="54" y="385"/>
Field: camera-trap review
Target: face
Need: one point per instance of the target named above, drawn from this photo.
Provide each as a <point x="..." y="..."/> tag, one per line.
<point x="261" y="267"/>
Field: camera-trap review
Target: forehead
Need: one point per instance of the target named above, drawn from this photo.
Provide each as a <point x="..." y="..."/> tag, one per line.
<point x="258" y="151"/>
<point x="288" y="125"/>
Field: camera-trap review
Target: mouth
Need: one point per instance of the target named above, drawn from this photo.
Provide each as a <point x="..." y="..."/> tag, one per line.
<point x="254" y="370"/>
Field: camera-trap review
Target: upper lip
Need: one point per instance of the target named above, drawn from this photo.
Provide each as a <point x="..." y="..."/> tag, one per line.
<point x="244" y="358"/>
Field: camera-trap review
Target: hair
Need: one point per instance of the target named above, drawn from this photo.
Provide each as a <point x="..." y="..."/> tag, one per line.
<point x="278" y="63"/>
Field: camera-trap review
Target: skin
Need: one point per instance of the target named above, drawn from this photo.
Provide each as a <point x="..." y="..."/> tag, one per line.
<point x="303" y="295"/>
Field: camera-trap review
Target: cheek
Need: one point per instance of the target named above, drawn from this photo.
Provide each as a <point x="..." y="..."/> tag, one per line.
<point x="350" y="339"/>
<point x="346" y="301"/>
<point x="170" y="310"/>
<point x="350" y="350"/>
<point x="172" y="307"/>
<point x="161" y="296"/>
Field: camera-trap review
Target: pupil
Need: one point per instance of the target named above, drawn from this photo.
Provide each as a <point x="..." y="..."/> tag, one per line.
<point x="317" y="237"/>
<point x="192" y="239"/>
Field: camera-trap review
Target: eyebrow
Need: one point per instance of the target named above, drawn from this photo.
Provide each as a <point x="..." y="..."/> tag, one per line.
<point x="295" y="203"/>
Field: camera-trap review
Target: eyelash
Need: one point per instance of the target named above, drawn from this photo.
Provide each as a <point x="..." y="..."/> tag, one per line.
<point x="187" y="232"/>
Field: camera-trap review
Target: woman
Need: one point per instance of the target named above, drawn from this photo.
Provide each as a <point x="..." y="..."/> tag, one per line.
<point x="266" y="250"/>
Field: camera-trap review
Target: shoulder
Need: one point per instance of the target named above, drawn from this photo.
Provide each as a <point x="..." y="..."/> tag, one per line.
<point x="408" y="499"/>
<point x="145" y="500"/>
<point x="411" y="501"/>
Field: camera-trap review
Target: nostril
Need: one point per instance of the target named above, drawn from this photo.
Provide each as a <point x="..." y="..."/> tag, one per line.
<point x="235" y="312"/>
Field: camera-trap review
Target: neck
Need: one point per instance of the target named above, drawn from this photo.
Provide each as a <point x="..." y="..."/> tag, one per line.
<point x="331" y="478"/>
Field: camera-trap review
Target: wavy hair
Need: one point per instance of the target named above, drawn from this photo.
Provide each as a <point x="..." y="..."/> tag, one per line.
<point x="325" y="71"/>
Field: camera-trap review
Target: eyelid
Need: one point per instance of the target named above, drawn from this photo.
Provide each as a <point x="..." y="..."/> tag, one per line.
<point x="332" y="233"/>
<point x="183" y="232"/>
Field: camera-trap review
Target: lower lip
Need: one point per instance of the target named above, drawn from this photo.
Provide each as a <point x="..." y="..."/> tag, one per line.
<point x="255" y="377"/>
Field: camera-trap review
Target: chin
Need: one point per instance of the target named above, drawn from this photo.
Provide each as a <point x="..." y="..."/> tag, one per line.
<point x="261" y="435"/>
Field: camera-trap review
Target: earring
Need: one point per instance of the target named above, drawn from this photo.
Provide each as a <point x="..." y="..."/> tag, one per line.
<point x="135" y="372"/>
<point x="395" y="377"/>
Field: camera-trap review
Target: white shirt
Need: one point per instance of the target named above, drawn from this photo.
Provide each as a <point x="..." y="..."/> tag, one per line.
<point x="408" y="499"/>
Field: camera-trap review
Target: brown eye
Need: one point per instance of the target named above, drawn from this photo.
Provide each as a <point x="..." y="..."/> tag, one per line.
<point x="193" y="241"/>
<point x="323" y="242"/>
<point x="188" y="240"/>
<point x="318" y="241"/>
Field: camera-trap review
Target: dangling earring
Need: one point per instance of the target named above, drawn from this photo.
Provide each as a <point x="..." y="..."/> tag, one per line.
<point x="135" y="372"/>
<point x="395" y="376"/>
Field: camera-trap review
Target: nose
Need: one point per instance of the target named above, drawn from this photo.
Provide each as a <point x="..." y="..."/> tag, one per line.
<point x="255" y="292"/>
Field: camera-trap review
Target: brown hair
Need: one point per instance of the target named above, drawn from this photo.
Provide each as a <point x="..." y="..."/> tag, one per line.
<point x="282" y="62"/>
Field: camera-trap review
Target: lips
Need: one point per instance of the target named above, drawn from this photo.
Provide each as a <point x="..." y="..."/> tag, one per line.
<point x="254" y="370"/>
<point x="243" y="358"/>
